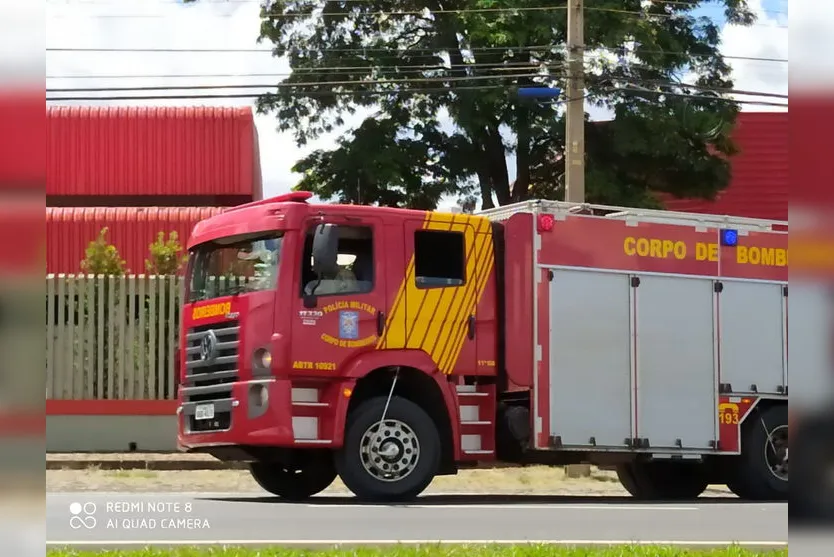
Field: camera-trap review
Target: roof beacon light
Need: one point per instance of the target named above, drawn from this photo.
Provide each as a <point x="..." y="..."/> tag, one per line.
<point x="546" y="223"/>
<point x="729" y="238"/>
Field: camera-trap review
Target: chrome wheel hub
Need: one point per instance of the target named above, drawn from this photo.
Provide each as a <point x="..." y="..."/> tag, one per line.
<point x="776" y="452"/>
<point x="389" y="450"/>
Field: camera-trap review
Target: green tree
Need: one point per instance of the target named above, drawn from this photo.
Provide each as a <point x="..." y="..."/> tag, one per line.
<point x="165" y="255"/>
<point x="102" y="258"/>
<point x="419" y="64"/>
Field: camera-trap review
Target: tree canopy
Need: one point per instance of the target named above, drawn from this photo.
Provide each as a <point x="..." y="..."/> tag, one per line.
<point x="440" y="78"/>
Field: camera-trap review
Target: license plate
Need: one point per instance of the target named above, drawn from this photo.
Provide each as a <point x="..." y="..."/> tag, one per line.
<point x="204" y="412"/>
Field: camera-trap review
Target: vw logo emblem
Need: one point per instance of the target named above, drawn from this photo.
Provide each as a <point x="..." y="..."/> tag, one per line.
<point x="207" y="346"/>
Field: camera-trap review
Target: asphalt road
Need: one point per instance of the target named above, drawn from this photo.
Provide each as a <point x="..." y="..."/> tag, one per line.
<point x="113" y="519"/>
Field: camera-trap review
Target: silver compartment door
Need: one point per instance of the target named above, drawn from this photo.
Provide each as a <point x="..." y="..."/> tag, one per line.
<point x="753" y="343"/>
<point x="676" y="362"/>
<point x="590" y="358"/>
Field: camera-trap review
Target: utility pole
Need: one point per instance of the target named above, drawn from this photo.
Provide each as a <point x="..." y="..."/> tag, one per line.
<point x="575" y="135"/>
<point x="575" y="114"/>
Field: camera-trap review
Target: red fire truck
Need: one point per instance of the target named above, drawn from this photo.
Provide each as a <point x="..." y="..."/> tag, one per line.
<point x="390" y="346"/>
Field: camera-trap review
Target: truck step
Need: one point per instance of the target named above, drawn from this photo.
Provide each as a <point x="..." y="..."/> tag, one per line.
<point x="308" y="413"/>
<point x="476" y="412"/>
<point x="469" y="390"/>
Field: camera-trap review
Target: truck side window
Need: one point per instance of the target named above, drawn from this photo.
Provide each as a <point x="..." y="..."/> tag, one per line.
<point x="356" y="264"/>
<point x="439" y="259"/>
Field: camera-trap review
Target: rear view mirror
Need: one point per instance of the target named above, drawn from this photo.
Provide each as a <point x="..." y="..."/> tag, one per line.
<point x="326" y="250"/>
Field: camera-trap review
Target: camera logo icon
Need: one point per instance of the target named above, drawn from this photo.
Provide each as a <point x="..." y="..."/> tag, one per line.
<point x="81" y="516"/>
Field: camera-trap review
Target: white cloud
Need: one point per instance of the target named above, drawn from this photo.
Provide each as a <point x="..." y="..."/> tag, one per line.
<point x="213" y="24"/>
<point x="767" y="38"/>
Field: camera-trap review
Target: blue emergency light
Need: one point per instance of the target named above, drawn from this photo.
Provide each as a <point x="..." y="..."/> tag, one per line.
<point x="729" y="238"/>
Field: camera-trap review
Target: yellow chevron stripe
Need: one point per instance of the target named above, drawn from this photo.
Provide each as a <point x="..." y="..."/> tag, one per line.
<point x="485" y="265"/>
<point x="395" y="324"/>
<point x="445" y="311"/>
<point x="434" y="320"/>
<point x="422" y="304"/>
<point x="482" y="264"/>
<point x="462" y="311"/>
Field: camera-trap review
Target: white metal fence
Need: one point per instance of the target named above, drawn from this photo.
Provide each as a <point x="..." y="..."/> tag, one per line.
<point x="111" y="337"/>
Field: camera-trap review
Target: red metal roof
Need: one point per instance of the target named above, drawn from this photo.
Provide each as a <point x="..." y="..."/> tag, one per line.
<point x="759" y="183"/>
<point x="152" y="151"/>
<point x="69" y="230"/>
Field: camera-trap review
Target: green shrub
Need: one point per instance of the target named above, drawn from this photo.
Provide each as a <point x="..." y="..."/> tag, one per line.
<point x="102" y="257"/>
<point x="165" y="255"/>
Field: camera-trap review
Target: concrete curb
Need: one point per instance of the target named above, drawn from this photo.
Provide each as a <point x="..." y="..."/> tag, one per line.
<point x="139" y="464"/>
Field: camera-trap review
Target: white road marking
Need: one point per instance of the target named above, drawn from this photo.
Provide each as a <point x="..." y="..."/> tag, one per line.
<point x="509" y="507"/>
<point x="87" y="543"/>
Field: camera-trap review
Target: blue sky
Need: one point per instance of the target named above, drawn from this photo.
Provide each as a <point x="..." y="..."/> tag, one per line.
<point x="715" y="12"/>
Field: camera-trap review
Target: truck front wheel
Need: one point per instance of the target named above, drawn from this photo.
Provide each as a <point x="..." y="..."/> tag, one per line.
<point x="655" y="481"/>
<point x="297" y="482"/>
<point x="393" y="459"/>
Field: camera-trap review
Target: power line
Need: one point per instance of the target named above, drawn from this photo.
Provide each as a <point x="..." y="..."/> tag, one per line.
<point x="306" y="84"/>
<point x="415" y="52"/>
<point x="721" y="90"/>
<point x="387" y="92"/>
<point x="462" y="11"/>
<point x="324" y="70"/>
<point x="683" y="3"/>
<point x="498" y="66"/>
<point x="435" y="79"/>
<point x="700" y="97"/>
<point x="253" y="96"/>
<point x="371" y="93"/>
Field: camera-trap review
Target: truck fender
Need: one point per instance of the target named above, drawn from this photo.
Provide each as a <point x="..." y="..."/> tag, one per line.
<point x="364" y="364"/>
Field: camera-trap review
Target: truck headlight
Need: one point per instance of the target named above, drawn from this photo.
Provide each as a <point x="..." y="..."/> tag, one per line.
<point x="262" y="359"/>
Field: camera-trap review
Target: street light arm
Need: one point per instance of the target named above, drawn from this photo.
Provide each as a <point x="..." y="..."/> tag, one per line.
<point x="538" y="92"/>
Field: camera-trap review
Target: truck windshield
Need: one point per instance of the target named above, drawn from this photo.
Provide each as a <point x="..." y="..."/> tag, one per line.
<point x="234" y="266"/>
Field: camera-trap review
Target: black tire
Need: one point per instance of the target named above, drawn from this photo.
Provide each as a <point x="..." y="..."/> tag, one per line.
<point x="752" y="477"/>
<point x="410" y="423"/>
<point x="658" y="481"/>
<point x="296" y="483"/>
<point x="625" y="473"/>
<point x="739" y="488"/>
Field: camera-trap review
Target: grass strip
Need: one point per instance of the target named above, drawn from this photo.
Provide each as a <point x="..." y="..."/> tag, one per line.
<point x="431" y="551"/>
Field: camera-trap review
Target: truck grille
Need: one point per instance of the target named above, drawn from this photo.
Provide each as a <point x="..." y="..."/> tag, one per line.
<point x="211" y="366"/>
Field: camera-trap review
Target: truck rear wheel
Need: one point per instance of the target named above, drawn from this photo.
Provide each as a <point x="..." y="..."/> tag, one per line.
<point x="761" y="471"/>
<point x="390" y="461"/>
<point x="655" y="481"/>
<point x="295" y="483"/>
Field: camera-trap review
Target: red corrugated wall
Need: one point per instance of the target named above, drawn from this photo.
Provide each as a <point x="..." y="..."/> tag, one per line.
<point x="163" y="152"/>
<point x="759" y="184"/>
<point x="131" y="229"/>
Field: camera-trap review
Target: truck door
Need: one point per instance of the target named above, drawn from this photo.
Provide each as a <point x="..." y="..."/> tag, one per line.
<point x="444" y="279"/>
<point x="348" y="306"/>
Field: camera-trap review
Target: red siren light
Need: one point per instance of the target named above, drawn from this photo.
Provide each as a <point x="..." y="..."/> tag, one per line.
<point x="546" y="223"/>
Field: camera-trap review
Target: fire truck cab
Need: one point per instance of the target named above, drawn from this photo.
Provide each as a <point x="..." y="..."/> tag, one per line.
<point x="388" y="346"/>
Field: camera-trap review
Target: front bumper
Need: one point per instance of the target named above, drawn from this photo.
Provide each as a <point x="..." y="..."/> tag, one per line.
<point x="242" y="419"/>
